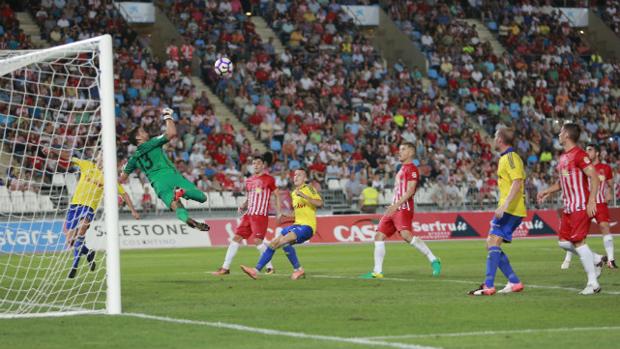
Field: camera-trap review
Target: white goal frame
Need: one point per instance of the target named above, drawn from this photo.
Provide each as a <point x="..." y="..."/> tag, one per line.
<point x="108" y="140"/>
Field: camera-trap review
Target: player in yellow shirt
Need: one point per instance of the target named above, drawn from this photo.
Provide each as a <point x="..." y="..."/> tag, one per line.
<point x="305" y="202"/>
<point x="508" y="216"/>
<point x="84" y="203"/>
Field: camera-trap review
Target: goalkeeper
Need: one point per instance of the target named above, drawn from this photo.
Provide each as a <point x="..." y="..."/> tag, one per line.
<point x="168" y="183"/>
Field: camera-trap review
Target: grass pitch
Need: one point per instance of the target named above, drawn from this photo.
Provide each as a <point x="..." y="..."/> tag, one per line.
<point x="408" y="309"/>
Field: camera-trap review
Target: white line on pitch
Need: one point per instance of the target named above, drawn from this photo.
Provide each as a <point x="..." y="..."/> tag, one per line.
<point x="485" y="333"/>
<point x="266" y="331"/>
<point x="457" y="282"/>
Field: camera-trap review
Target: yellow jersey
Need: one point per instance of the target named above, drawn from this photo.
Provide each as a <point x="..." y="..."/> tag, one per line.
<point x="89" y="190"/>
<point x="305" y="212"/>
<point x="371" y="196"/>
<point x="510" y="168"/>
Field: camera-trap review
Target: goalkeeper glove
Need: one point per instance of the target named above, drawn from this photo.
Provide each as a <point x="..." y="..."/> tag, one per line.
<point x="167" y="114"/>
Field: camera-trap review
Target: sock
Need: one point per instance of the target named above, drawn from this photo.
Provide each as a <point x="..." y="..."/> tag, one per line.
<point x="292" y="256"/>
<point x="597" y="258"/>
<point x="493" y="257"/>
<point x="506" y="268"/>
<point x="379" y="255"/>
<point x="261" y="249"/>
<point x="182" y="214"/>
<point x="587" y="259"/>
<point x="421" y="246"/>
<point x="608" y="242"/>
<point x="567" y="246"/>
<point x="77" y="251"/>
<point x="568" y="257"/>
<point x="265" y="258"/>
<point x="230" y="254"/>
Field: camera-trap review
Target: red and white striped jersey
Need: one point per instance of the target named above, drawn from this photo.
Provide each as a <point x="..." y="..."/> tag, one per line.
<point x="605" y="173"/>
<point x="574" y="182"/>
<point x="259" y="190"/>
<point x="408" y="173"/>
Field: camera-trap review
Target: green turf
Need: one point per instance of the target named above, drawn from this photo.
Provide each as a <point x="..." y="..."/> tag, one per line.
<point x="174" y="283"/>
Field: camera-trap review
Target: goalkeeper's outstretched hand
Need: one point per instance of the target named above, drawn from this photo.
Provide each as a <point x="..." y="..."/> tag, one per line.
<point x="167" y="114"/>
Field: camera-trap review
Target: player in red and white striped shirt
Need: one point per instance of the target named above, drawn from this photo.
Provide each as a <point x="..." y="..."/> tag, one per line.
<point x="260" y="187"/>
<point x="575" y="168"/>
<point x="399" y="216"/>
<point x="606" y="177"/>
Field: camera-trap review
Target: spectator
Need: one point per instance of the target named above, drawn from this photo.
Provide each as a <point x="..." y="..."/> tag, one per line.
<point x="369" y="198"/>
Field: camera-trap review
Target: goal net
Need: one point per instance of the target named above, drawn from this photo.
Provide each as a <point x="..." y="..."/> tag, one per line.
<point x="56" y="120"/>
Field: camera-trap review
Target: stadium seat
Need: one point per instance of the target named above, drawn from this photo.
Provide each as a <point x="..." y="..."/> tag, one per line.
<point x="333" y="184"/>
<point x="389" y="193"/>
<point x="193" y="205"/>
<point x="45" y="203"/>
<point x="71" y="180"/>
<point x="343" y="183"/>
<point x="6" y="205"/>
<point x="17" y="198"/>
<point x="240" y="200"/>
<point x="58" y="180"/>
<point x="383" y="200"/>
<point x="229" y="199"/>
<point x="31" y="201"/>
<point x="276" y="146"/>
<point x="215" y="200"/>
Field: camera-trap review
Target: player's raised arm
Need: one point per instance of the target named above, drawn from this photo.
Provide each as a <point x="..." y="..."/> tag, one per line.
<point x="171" y="128"/>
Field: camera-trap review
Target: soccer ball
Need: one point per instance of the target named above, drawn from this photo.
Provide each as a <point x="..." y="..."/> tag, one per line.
<point x="223" y="66"/>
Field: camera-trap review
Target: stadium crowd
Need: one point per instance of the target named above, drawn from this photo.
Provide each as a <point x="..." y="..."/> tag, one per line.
<point x="328" y="102"/>
<point x="547" y="75"/>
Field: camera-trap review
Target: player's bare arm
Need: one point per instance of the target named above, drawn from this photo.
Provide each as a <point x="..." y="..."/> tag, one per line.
<point x="595" y="182"/>
<point x="610" y="185"/>
<point x="411" y="188"/>
<point x="515" y="188"/>
<point x="543" y="195"/>
<point x="129" y="202"/>
<point x="276" y="193"/>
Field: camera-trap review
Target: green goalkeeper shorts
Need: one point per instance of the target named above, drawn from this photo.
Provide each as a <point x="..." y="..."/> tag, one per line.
<point x="165" y="185"/>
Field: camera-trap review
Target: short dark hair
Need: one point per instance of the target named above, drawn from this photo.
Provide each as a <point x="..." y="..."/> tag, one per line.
<point x="267" y="158"/>
<point x="573" y="130"/>
<point x="506" y="134"/>
<point x="132" y="135"/>
<point x="596" y="147"/>
<point x="408" y="144"/>
<point x="305" y="170"/>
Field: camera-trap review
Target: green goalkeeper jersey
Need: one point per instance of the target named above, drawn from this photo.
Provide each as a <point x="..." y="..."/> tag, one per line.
<point x="151" y="159"/>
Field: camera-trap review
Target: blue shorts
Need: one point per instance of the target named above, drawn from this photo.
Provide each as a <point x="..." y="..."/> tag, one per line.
<point x="303" y="232"/>
<point x="76" y="213"/>
<point x="505" y="226"/>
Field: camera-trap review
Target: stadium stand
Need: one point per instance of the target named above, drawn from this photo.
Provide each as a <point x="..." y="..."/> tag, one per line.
<point x="330" y="103"/>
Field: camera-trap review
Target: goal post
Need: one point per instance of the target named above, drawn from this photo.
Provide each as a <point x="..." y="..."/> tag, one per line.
<point x="63" y="97"/>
